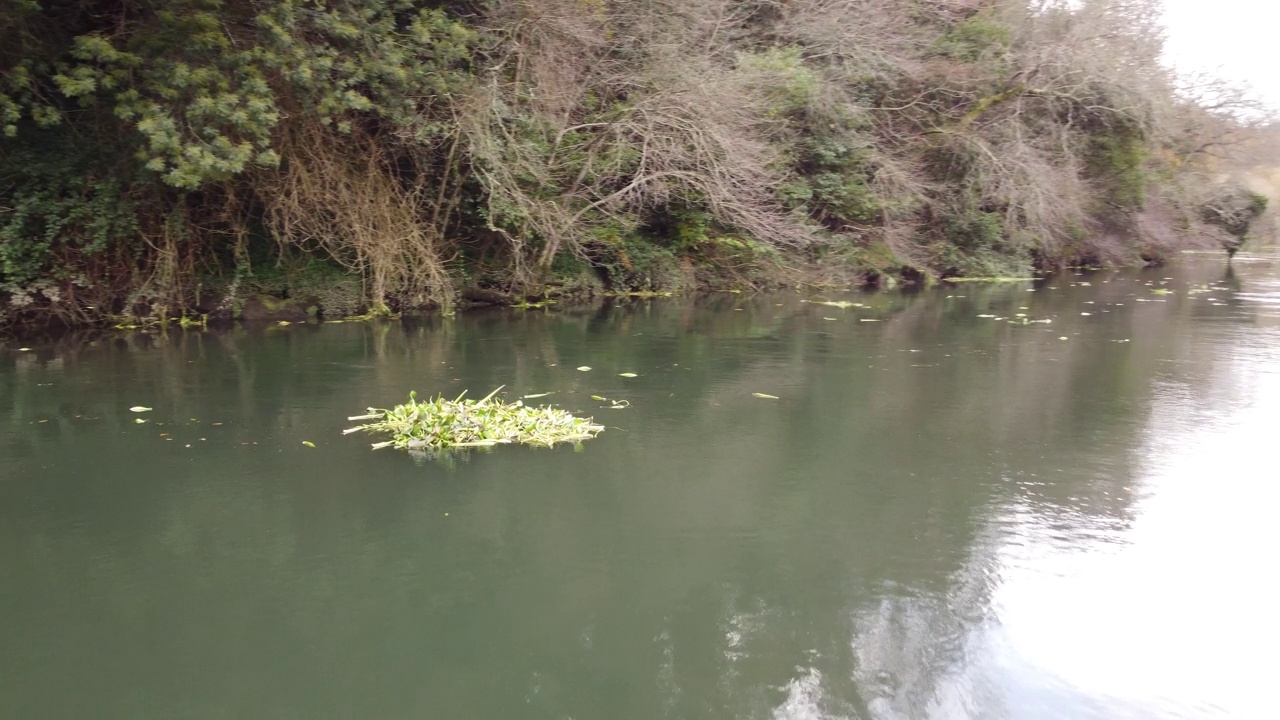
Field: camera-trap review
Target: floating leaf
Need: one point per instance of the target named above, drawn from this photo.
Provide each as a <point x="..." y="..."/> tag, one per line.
<point x="308" y="443"/>
<point x="614" y="404"/>
<point x="531" y="397"/>
<point x="139" y="408"/>
<point x="585" y="368"/>
<point x="766" y="396"/>
<point x="627" y="375"/>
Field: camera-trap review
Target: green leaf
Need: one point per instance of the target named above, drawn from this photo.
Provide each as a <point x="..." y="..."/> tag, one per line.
<point x="308" y="443"/>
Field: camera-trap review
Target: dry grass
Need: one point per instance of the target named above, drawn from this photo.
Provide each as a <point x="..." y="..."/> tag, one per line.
<point x="339" y="194"/>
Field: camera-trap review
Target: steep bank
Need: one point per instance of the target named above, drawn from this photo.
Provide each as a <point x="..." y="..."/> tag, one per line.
<point x="290" y="157"/>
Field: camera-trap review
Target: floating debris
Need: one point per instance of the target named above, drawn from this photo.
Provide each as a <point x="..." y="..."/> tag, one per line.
<point x="526" y="305"/>
<point x="988" y="279"/>
<point x="834" y="303"/>
<point x="766" y="396"/>
<point x="139" y="408"/>
<point x="458" y="423"/>
<point x="308" y="443"/>
<point x="627" y="375"/>
<point x="585" y="368"/>
<point x="613" y="404"/>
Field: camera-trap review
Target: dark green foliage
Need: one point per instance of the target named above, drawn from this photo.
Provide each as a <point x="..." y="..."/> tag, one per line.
<point x="1116" y="160"/>
<point x="204" y="83"/>
<point x="309" y="280"/>
<point x="193" y="95"/>
<point x="631" y="262"/>
<point x="974" y="230"/>
<point x="56" y="208"/>
<point x="975" y="245"/>
<point x="833" y="179"/>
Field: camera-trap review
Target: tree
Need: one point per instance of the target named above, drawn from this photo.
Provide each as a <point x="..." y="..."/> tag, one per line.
<point x="1233" y="209"/>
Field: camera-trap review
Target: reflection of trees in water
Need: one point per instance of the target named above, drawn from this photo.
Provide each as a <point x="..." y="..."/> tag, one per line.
<point x="716" y="555"/>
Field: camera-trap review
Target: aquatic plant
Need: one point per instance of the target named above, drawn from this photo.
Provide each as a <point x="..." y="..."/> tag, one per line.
<point x="460" y="423"/>
<point x="842" y="304"/>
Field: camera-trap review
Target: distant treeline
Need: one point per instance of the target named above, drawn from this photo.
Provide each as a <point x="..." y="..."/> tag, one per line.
<point x="169" y="157"/>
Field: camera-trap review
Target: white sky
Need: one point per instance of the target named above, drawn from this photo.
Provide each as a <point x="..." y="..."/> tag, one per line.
<point x="1238" y="40"/>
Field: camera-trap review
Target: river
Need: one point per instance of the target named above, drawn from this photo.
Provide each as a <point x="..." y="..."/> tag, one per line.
<point x="945" y="513"/>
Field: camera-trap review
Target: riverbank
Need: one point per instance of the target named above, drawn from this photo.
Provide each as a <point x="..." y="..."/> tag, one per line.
<point x="320" y="292"/>
<point x="264" y="160"/>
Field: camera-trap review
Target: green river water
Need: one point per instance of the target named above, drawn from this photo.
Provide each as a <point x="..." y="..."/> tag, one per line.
<point x="942" y="515"/>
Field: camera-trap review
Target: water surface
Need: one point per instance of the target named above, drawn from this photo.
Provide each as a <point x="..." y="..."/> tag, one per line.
<point x="943" y="515"/>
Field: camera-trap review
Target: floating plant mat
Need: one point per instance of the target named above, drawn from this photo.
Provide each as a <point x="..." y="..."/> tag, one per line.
<point x="461" y="423"/>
